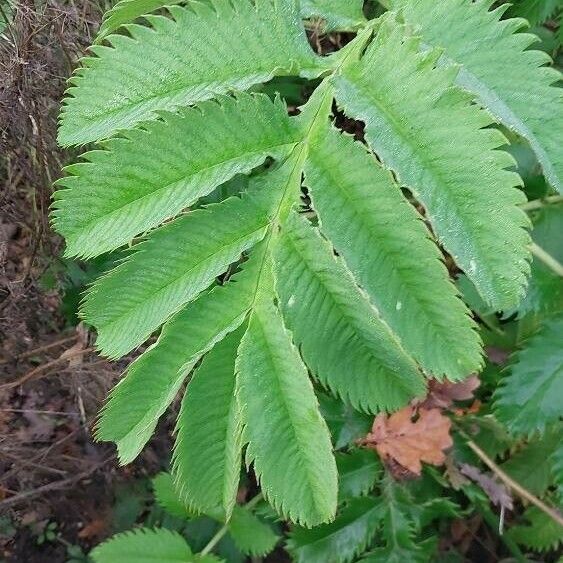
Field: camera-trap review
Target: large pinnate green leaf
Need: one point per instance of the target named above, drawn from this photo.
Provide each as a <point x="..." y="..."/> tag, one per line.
<point x="416" y="122"/>
<point x="510" y="79"/>
<point x="341" y="337"/>
<point x="199" y="52"/>
<point x="530" y="395"/>
<point x="207" y="453"/>
<point x="154" y="379"/>
<point x="144" y="546"/>
<point x="107" y="200"/>
<point x="363" y="213"/>
<point x="282" y="422"/>
<point x="340" y="541"/>
<point x="170" y="269"/>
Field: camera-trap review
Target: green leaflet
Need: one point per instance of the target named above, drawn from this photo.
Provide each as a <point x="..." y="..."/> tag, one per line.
<point x="107" y="200"/>
<point x="144" y="545"/>
<point x="535" y="11"/>
<point x="341" y="338"/>
<point x="250" y="534"/>
<point x="283" y="423"/>
<point x="207" y="453"/>
<point x="154" y="379"/>
<point x="416" y="122"/>
<point x="357" y="472"/>
<point x="530" y="396"/>
<point x="535" y="454"/>
<point x="371" y="225"/>
<point x="510" y="79"/>
<point x="398" y="527"/>
<point x="134" y="78"/>
<point x="545" y="290"/>
<point x="168" y="497"/>
<point x="127" y="11"/>
<point x="541" y="534"/>
<point x="340" y="541"/>
<point x="168" y="270"/>
<point x="337" y="14"/>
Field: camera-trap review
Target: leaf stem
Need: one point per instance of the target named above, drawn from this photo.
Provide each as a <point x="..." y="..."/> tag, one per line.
<point x="547" y="259"/>
<point x="225" y="528"/>
<point x="539" y="203"/>
<point x="508" y="481"/>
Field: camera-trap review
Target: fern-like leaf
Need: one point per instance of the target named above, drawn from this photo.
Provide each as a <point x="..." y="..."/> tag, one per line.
<point x="340" y="541"/>
<point x="207" y="452"/>
<point x="127" y="11"/>
<point x="415" y="121"/>
<point x="168" y="270"/>
<point x="128" y="82"/>
<point x="340" y="335"/>
<point x="251" y="535"/>
<point x="168" y="497"/>
<point x="282" y="422"/>
<point x="154" y="379"/>
<point x="106" y="201"/>
<point x="144" y="545"/>
<point x="358" y="472"/>
<point x="510" y="79"/>
<point x="371" y="225"/>
<point x="530" y="396"/>
<point x="541" y="534"/>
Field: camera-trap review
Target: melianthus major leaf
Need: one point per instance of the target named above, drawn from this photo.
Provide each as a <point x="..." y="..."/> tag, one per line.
<point x="358" y="472"/>
<point x="145" y="545"/>
<point x="154" y="379"/>
<point x="168" y="270"/>
<point x="107" y="200"/>
<point x="362" y="211"/>
<point x="541" y="534"/>
<point x="415" y="120"/>
<point x="340" y="541"/>
<point x="535" y="11"/>
<point x="510" y="79"/>
<point x="170" y="277"/>
<point x="280" y="414"/>
<point x="207" y="453"/>
<point x="537" y="454"/>
<point x="128" y="82"/>
<point x="251" y="535"/>
<point x="530" y="396"/>
<point x="341" y="338"/>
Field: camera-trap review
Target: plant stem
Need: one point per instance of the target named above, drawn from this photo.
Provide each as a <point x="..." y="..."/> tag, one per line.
<point x="516" y="487"/>
<point x="547" y="259"/>
<point x="539" y="203"/>
<point x="225" y="528"/>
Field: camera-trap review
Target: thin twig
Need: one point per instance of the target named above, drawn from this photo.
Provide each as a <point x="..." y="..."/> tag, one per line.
<point x="539" y="203"/>
<point x="43" y="367"/>
<point x="54" y="486"/>
<point x="516" y="487"/>
<point x="547" y="259"/>
<point x="41" y="349"/>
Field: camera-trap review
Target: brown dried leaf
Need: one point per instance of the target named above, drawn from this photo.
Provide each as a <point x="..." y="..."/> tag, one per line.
<point x="409" y="443"/>
<point x="442" y="394"/>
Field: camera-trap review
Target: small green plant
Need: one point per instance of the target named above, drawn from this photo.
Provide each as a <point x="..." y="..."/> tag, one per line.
<point x="320" y="272"/>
